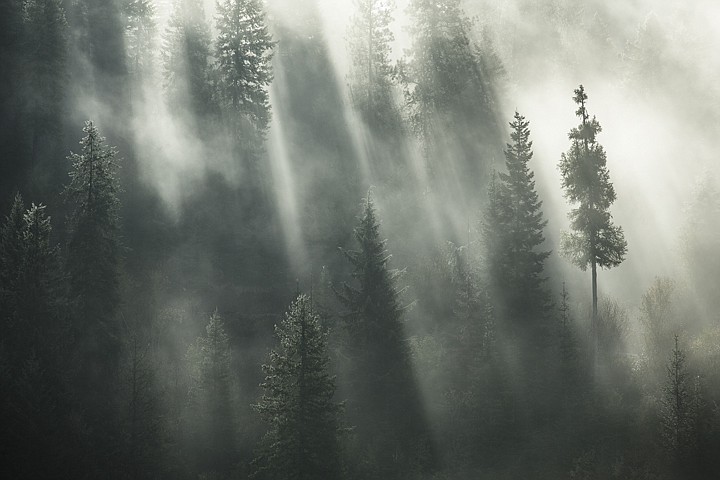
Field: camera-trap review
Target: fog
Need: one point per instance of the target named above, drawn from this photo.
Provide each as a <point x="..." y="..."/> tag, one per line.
<point x="465" y="367"/>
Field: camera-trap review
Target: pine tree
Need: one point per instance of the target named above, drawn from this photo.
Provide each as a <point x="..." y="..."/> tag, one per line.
<point x="11" y="260"/>
<point x="384" y="402"/>
<point x="210" y="411"/>
<point x="244" y="50"/>
<point x="92" y="266"/>
<point x="370" y="39"/>
<point x="676" y="408"/>
<point x="186" y="58"/>
<point x="303" y="439"/>
<point x="595" y="242"/>
<point x="513" y="229"/>
<point x="45" y="53"/>
<point x="140" y="37"/>
<point x="93" y="251"/>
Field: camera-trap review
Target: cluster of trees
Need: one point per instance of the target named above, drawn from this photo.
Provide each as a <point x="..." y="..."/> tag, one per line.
<point x="113" y="366"/>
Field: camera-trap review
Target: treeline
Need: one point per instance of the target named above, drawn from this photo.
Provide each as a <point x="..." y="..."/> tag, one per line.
<point x="140" y="345"/>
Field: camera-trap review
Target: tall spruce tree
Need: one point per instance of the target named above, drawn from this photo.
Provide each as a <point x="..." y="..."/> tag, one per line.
<point x="676" y="408"/>
<point x="384" y="400"/>
<point x="93" y="255"/>
<point x="244" y="49"/>
<point x="596" y="241"/>
<point x="303" y="439"/>
<point x="513" y="230"/>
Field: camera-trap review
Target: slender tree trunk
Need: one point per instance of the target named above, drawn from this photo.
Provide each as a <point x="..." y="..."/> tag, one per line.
<point x="594" y="321"/>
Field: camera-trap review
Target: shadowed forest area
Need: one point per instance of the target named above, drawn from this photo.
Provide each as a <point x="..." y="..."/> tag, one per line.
<point x="359" y="239"/>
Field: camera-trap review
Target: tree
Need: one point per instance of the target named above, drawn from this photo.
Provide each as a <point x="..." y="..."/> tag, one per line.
<point x="585" y="177"/>
<point x="513" y="229"/>
<point x="385" y="402"/>
<point x="45" y="54"/>
<point x="186" y="58"/>
<point x="244" y="50"/>
<point x="303" y="439"/>
<point x="370" y="39"/>
<point x="210" y="411"/>
<point x="94" y="250"/>
<point x="92" y="265"/>
<point x="140" y="36"/>
<point x="676" y="408"/>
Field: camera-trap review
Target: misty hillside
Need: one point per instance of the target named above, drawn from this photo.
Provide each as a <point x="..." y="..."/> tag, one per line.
<point x="359" y="239"/>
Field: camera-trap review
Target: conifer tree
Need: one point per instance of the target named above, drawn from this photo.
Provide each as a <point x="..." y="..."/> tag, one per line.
<point x="595" y="241"/>
<point x="45" y="42"/>
<point x="186" y="58"/>
<point x="210" y="412"/>
<point x="244" y="49"/>
<point x="11" y="260"/>
<point x="93" y="251"/>
<point x="384" y="401"/>
<point x="676" y="408"/>
<point x="140" y="37"/>
<point x="303" y="439"/>
<point x="513" y="229"/>
<point x="370" y="39"/>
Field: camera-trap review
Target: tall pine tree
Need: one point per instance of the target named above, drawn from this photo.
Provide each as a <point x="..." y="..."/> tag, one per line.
<point x="513" y="230"/>
<point x="595" y="242"/>
<point x="385" y="402"/>
<point x="244" y="49"/>
<point x="303" y="439"/>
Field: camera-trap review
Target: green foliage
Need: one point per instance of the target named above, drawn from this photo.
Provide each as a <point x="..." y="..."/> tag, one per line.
<point x="244" y="50"/>
<point x="586" y="180"/>
<point x="513" y="231"/>
<point x="303" y="439"/>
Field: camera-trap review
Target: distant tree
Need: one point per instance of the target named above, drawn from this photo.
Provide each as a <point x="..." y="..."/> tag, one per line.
<point x="140" y="36"/>
<point x="513" y="231"/>
<point x="303" y="439"/>
<point x="186" y="58"/>
<point x="658" y="317"/>
<point x="244" y="50"/>
<point x="11" y="260"/>
<point x="676" y="408"/>
<point x="210" y="410"/>
<point x="700" y="240"/>
<point x="141" y="410"/>
<point x="369" y="41"/>
<point x="384" y="401"/>
<point x="45" y="55"/>
<point x="586" y="180"/>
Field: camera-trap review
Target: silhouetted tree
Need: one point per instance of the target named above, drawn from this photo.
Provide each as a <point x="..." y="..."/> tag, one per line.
<point x="513" y="230"/>
<point x="676" y="408"/>
<point x="385" y="402"/>
<point x="186" y="58"/>
<point x="45" y="55"/>
<point x="303" y="439"/>
<point x="210" y="412"/>
<point x="586" y="180"/>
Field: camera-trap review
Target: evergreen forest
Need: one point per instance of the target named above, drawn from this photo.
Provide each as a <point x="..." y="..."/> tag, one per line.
<point x="359" y="239"/>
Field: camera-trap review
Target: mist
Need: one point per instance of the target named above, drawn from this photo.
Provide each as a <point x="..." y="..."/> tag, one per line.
<point x="317" y="239"/>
